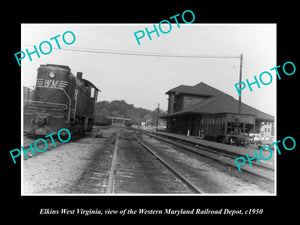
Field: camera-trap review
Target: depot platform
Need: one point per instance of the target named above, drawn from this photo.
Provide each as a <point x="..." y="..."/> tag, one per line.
<point x="235" y="151"/>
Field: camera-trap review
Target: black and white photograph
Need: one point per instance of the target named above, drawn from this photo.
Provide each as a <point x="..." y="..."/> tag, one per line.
<point x="147" y="112"/>
<point x="174" y="108"/>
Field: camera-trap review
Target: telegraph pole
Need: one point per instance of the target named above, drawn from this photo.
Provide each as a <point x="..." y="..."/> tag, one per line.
<point x="240" y="86"/>
<point x="157" y="116"/>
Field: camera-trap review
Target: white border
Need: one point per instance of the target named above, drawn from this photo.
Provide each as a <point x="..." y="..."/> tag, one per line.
<point x="137" y="194"/>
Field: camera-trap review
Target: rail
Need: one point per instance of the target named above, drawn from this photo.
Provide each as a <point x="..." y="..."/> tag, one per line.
<point x="110" y="185"/>
<point x="185" y="181"/>
<point x="214" y="155"/>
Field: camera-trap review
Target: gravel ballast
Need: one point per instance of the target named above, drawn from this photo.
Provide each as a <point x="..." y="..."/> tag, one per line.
<point x="55" y="171"/>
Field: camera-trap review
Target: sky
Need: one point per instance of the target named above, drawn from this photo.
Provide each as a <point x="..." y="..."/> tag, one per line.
<point x="144" y="80"/>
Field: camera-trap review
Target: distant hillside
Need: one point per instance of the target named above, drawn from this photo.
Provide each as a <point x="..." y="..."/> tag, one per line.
<point x="119" y="108"/>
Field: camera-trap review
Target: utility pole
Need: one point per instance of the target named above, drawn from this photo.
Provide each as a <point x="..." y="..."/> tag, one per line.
<point x="157" y="116"/>
<point x="240" y="86"/>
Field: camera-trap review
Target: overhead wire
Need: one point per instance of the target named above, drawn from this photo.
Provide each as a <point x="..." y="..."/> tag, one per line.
<point x="118" y="52"/>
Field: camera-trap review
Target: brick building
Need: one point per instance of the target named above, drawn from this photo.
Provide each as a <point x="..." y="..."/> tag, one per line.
<point x="202" y="110"/>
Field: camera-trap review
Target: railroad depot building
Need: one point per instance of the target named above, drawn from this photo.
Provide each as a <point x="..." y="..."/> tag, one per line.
<point x="207" y="112"/>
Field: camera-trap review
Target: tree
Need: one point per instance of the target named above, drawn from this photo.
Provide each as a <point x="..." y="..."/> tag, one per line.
<point x="119" y="108"/>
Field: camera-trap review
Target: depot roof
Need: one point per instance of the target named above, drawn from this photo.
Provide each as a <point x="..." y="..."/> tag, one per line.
<point x="199" y="89"/>
<point x="219" y="102"/>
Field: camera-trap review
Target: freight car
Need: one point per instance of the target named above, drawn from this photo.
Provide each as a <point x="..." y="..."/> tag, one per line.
<point x="60" y="100"/>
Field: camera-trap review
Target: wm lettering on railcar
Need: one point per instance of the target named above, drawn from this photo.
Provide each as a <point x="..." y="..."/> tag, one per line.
<point x="51" y="83"/>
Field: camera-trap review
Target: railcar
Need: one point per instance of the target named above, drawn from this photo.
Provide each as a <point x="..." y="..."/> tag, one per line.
<point x="60" y="100"/>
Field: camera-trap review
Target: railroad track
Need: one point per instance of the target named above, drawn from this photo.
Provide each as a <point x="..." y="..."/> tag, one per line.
<point x="191" y="188"/>
<point x="135" y="165"/>
<point x="212" y="150"/>
<point x="128" y="161"/>
<point x="110" y="183"/>
<point x="215" y="155"/>
<point x="98" y="174"/>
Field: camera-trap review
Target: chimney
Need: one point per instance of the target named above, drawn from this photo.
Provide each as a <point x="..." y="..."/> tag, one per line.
<point x="79" y="75"/>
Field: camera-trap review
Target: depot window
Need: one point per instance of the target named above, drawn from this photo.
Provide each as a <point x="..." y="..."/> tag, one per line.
<point x="92" y="92"/>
